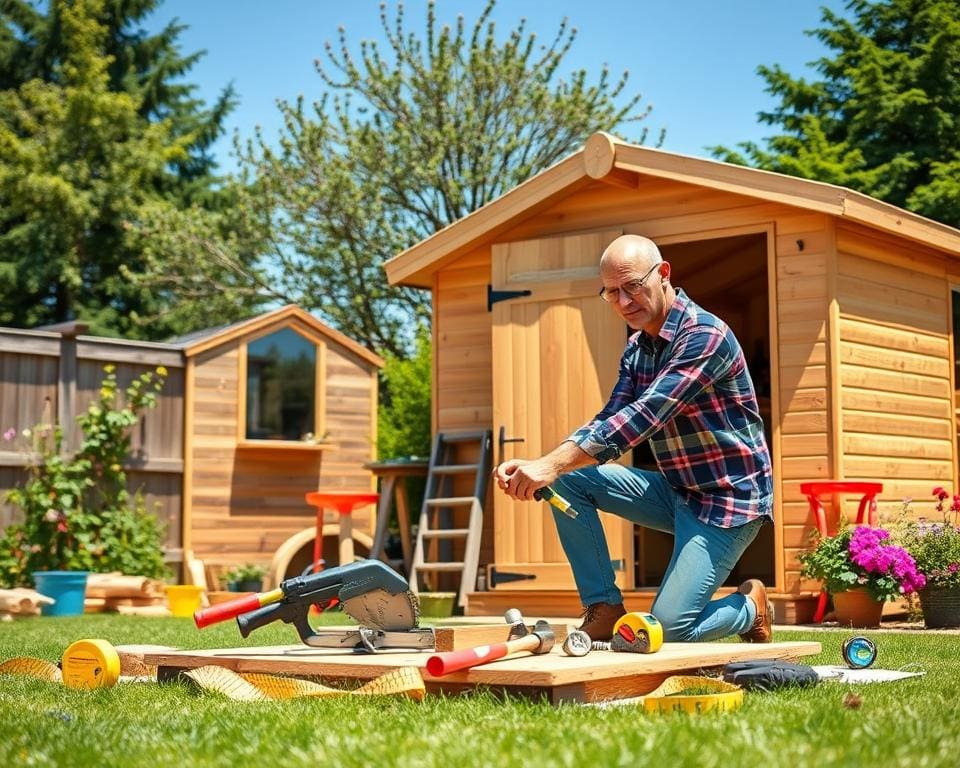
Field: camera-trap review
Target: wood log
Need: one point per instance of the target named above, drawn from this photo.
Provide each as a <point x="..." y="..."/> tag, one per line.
<point x="119" y="585"/>
<point x="20" y="600"/>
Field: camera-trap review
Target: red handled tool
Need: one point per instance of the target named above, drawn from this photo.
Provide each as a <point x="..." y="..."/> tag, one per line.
<point x="539" y="641"/>
<point x="204" y="617"/>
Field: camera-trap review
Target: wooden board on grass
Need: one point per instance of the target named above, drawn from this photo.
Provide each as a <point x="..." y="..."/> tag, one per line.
<point x="555" y="677"/>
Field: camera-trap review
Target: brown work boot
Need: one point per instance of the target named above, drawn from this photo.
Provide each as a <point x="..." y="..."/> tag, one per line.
<point x="762" y="629"/>
<point x="599" y="618"/>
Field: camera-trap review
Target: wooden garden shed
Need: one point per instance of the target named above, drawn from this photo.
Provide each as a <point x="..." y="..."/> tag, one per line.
<point x="275" y="406"/>
<point x="845" y="307"/>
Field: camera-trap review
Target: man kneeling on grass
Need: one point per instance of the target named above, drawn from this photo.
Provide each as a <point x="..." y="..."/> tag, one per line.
<point x="684" y="386"/>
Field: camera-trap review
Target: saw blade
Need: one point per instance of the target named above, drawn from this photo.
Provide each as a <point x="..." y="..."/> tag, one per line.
<point x="381" y="609"/>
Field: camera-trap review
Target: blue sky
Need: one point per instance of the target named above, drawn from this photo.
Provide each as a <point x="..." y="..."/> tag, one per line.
<point x="695" y="61"/>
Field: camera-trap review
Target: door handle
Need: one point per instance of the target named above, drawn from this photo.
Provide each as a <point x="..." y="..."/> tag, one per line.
<point x="503" y="440"/>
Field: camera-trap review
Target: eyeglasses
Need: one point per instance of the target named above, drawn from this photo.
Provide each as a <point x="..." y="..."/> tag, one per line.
<point x="631" y="288"/>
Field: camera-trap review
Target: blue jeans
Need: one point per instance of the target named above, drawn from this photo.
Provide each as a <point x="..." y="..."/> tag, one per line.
<point x="703" y="555"/>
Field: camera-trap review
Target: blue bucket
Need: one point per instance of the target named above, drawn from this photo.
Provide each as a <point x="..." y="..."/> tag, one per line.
<point x="66" y="587"/>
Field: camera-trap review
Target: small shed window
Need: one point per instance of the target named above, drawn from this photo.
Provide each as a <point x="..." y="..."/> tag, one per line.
<point x="281" y="387"/>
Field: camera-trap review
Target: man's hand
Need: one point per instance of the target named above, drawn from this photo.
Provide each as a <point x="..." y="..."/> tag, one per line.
<point x="520" y="478"/>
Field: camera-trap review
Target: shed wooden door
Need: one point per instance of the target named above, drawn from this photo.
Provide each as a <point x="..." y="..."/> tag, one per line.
<point x="556" y="354"/>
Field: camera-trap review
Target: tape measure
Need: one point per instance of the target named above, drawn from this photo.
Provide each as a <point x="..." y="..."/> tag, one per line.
<point x="637" y="633"/>
<point x="670" y="697"/>
<point x="858" y="652"/>
<point x="90" y="664"/>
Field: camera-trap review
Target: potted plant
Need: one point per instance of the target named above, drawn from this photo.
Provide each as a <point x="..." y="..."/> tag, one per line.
<point x="861" y="568"/>
<point x="935" y="546"/>
<point x="245" y="578"/>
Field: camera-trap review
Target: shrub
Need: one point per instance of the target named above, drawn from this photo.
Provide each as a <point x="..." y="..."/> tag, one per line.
<point x="77" y="511"/>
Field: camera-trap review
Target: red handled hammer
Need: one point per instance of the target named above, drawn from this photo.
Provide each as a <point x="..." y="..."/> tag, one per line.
<point x="539" y="641"/>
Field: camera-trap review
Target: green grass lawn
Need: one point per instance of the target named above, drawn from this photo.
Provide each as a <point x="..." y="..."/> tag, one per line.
<point x="907" y="723"/>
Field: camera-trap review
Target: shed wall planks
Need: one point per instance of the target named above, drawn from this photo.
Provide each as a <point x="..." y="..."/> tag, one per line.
<point x="897" y="394"/>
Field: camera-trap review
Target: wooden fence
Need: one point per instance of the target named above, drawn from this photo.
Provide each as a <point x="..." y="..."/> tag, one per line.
<point x="53" y="375"/>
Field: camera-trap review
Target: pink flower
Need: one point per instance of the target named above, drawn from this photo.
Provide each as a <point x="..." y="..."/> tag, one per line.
<point x="869" y="550"/>
<point x="9" y="434"/>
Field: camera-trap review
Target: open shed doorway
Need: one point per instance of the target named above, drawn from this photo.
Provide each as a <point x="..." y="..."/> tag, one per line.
<point x="728" y="277"/>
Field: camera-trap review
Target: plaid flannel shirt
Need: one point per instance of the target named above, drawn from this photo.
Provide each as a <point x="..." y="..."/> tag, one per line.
<point x="690" y="394"/>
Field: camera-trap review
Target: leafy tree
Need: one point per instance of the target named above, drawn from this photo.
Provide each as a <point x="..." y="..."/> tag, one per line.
<point x="885" y="117"/>
<point x="407" y="138"/>
<point x="85" y="186"/>
<point x="403" y="424"/>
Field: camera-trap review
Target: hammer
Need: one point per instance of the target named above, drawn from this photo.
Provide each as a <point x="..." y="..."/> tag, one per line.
<point x="537" y="642"/>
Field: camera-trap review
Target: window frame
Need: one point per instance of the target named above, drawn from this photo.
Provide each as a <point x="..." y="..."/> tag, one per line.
<point x="319" y="394"/>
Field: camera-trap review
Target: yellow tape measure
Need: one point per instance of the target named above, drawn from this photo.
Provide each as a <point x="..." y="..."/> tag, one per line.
<point x="669" y="697"/>
<point x="637" y="632"/>
<point x="90" y="664"/>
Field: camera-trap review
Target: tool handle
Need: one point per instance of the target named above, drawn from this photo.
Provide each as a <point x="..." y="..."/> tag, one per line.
<point x="555" y="500"/>
<point x="204" y="617"/>
<point x="452" y="661"/>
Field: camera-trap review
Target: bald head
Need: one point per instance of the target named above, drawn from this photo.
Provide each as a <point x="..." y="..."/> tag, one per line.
<point x="636" y="250"/>
<point x="636" y="282"/>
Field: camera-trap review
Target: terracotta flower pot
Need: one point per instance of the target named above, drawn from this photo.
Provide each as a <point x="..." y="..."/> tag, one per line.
<point x="857" y="608"/>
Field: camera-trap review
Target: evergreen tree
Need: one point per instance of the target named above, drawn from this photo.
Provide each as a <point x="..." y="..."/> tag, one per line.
<point x="406" y="139"/>
<point x="148" y="66"/>
<point x="83" y="182"/>
<point x="104" y="177"/>
<point x="885" y="117"/>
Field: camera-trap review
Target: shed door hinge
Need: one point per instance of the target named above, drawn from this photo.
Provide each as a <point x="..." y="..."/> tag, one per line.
<point x="494" y="296"/>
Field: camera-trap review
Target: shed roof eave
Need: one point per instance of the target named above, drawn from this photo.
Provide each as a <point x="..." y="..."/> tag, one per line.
<point x="603" y="156"/>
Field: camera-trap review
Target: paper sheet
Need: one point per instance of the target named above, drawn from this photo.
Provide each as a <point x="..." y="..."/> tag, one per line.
<point x="869" y="675"/>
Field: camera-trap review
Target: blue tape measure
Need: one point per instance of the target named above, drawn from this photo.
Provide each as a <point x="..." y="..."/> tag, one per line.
<point x="859" y="652"/>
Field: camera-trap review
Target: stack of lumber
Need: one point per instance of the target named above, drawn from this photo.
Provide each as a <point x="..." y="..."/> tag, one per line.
<point x="20" y="601"/>
<point x="137" y="595"/>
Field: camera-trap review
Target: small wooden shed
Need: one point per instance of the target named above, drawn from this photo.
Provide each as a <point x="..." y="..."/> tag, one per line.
<point x="845" y="307"/>
<point x="275" y="406"/>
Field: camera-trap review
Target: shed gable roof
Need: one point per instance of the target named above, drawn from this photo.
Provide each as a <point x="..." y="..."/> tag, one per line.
<point x="604" y="157"/>
<point x="195" y="343"/>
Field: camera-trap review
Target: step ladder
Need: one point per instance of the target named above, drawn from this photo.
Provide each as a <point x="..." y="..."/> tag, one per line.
<point x="442" y="512"/>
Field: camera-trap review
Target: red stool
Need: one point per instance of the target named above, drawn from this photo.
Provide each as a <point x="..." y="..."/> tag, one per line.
<point x="344" y="502"/>
<point x="867" y="508"/>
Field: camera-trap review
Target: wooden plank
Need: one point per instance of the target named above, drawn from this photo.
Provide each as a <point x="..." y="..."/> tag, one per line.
<point x="887" y="423"/>
<point x="815" y="444"/>
<point x="864" y="398"/>
<point x="923" y="447"/>
<point x="805" y="354"/>
<point x="855" y="330"/>
<point x="894" y="381"/>
<point x="599" y="675"/>
<point x="894" y="360"/>
<point x="882" y="273"/>
<point x="886" y="467"/>
<point x="813" y="399"/>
